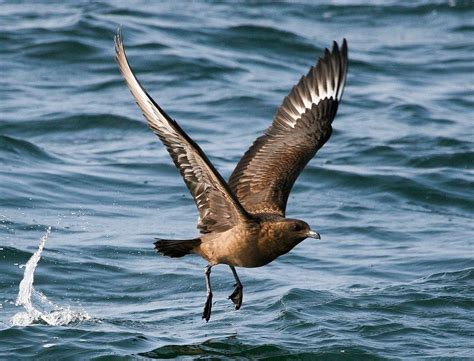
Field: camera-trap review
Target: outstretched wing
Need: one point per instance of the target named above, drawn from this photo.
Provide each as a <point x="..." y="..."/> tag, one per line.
<point x="263" y="178"/>
<point x="218" y="208"/>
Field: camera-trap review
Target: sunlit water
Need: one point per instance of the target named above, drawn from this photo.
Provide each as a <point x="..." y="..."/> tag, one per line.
<point x="391" y="193"/>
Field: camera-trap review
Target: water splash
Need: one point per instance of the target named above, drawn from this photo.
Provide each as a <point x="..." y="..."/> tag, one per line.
<point x="26" y="284"/>
<point x="38" y="309"/>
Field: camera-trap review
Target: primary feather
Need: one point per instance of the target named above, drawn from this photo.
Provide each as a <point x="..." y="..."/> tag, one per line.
<point x="263" y="178"/>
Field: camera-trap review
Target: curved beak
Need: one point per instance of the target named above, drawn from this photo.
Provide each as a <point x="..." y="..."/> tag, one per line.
<point x="313" y="234"/>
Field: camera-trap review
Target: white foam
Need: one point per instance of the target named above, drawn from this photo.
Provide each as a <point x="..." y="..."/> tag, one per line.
<point x="37" y="307"/>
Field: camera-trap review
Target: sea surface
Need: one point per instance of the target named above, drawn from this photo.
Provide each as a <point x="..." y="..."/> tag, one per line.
<point x="85" y="186"/>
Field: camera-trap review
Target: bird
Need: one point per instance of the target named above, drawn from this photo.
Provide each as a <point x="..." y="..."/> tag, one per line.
<point x="242" y="222"/>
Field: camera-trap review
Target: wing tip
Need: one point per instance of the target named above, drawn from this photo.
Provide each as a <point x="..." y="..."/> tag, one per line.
<point x="338" y="58"/>
<point x="331" y="69"/>
<point x="338" y="51"/>
<point x="344" y="66"/>
<point x="344" y="48"/>
<point x="324" y="80"/>
<point x="118" y="42"/>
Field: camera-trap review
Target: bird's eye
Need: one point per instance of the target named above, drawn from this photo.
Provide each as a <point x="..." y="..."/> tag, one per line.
<point x="297" y="228"/>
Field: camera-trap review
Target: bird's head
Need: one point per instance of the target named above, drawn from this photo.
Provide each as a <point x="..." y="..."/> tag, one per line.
<point x="298" y="230"/>
<point x="284" y="234"/>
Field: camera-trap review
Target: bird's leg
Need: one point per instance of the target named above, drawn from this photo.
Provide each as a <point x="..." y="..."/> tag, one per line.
<point x="206" y="314"/>
<point x="238" y="294"/>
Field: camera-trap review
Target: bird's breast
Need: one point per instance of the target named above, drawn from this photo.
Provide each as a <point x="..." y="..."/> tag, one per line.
<point x="242" y="247"/>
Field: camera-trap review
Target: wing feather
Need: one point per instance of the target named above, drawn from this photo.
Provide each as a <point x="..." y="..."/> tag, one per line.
<point x="266" y="173"/>
<point x="218" y="207"/>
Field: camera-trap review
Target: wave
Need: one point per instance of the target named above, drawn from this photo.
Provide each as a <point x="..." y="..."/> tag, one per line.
<point x="58" y="124"/>
<point x="61" y="50"/>
<point x="23" y="150"/>
<point x="231" y="347"/>
<point x="392" y="277"/>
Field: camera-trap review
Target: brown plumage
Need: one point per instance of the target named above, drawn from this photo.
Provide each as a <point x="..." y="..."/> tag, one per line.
<point x="242" y="222"/>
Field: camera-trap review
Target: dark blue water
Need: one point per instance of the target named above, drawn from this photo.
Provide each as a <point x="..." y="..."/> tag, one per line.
<point x="392" y="192"/>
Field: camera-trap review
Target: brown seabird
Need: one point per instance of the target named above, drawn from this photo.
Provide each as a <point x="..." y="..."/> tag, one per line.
<point x="242" y="222"/>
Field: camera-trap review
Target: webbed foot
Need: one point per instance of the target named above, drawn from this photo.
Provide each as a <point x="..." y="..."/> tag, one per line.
<point x="237" y="296"/>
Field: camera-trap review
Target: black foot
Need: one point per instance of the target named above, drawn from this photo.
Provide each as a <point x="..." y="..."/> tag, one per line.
<point x="206" y="314"/>
<point x="237" y="295"/>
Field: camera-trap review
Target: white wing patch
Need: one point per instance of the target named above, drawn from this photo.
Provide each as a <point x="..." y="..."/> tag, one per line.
<point x="151" y="113"/>
<point x="323" y="81"/>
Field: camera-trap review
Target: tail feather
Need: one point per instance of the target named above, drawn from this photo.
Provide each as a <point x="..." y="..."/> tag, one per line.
<point x="176" y="248"/>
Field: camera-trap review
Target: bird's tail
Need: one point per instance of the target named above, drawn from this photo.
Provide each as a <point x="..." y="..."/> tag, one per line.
<point x="176" y="248"/>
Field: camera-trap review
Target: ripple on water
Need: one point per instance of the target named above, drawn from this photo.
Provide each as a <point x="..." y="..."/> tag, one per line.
<point x="390" y="192"/>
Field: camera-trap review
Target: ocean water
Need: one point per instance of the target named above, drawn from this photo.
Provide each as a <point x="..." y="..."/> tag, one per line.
<point x="392" y="192"/>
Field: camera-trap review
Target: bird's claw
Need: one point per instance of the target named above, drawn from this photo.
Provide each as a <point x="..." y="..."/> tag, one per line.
<point x="237" y="295"/>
